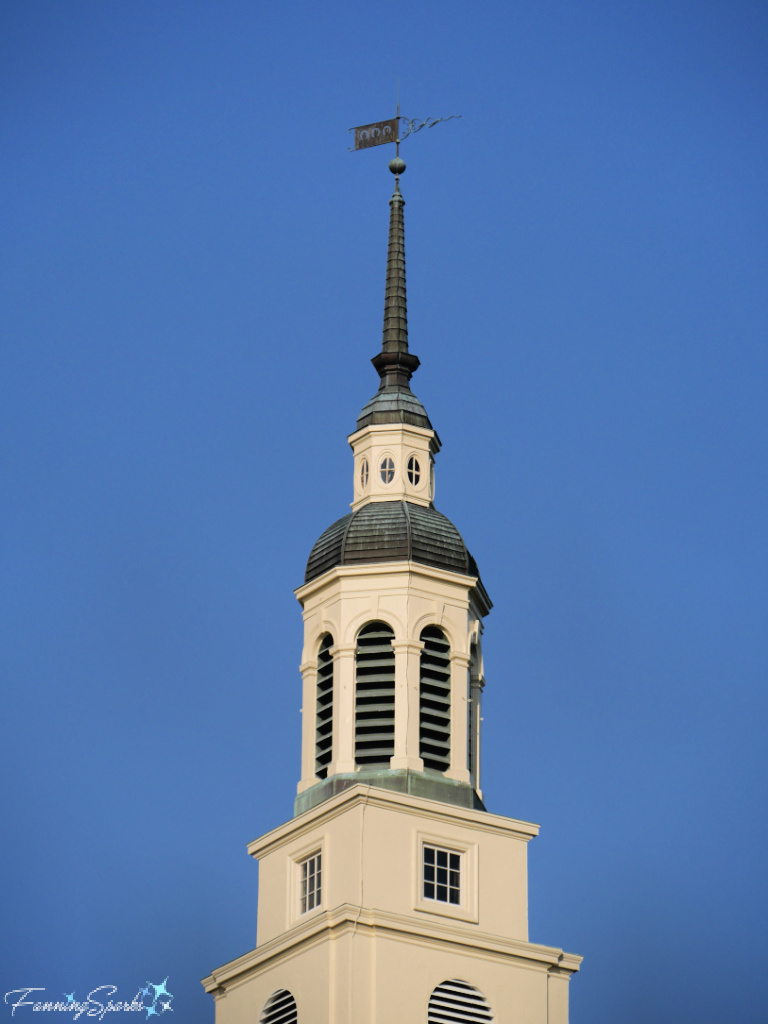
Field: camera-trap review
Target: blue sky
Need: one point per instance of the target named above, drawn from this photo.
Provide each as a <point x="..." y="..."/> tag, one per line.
<point x="192" y="286"/>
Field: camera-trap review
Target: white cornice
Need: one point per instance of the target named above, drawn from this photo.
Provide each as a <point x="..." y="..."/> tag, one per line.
<point x="373" y="796"/>
<point x="392" y="430"/>
<point x="348" y="918"/>
<point x="385" y="569"/>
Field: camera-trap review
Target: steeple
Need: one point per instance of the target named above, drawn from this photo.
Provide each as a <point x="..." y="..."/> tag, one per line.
<point x="393" y="895"/>
<point x="395" y="402"/>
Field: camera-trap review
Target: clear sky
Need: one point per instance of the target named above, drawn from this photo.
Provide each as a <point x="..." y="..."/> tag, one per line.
<point x="192" y="286"/>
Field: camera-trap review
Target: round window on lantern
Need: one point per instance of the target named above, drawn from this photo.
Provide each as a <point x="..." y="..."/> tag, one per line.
<point x="364" y="474"/>
<point x="387" y="470"/>
<point x="414" y="471"/>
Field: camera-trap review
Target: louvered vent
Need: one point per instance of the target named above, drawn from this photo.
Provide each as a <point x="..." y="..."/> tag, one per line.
<point x="280" y="1008"/>
<point x="324" y="711"/>
<point x="375" y="695"/>
<point x="472" y="714"/>
<point x="435" y="700"/>
<point x="456" y="1002"/>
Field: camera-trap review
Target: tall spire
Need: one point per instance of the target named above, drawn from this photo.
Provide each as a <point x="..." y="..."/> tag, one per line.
<point x="395" y="402"/>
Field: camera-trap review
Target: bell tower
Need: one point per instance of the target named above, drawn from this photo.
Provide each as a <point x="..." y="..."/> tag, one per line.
<point x="393" y="896"/>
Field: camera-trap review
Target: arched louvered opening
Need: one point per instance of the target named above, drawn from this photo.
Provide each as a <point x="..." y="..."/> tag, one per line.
<point x="473" y="716"/>
<point x="435" y="700"/>
<point x="456" y="1002"/>
<point x="375" y="695"/>
<point x="280" y="1008"/>
<point x="324" y="708"/>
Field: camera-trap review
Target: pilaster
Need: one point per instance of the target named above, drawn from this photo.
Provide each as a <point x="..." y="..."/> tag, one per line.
<point x="459" y="769"/>
<point x="407" y="654"/>
<point x="343" y="710"/>
<point x="308" y="671"/>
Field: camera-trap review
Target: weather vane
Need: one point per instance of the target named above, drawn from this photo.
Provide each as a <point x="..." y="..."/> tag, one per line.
<point x="394" y="130"/>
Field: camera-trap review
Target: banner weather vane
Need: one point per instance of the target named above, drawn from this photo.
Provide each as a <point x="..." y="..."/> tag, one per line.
<point x="376" y="134"/>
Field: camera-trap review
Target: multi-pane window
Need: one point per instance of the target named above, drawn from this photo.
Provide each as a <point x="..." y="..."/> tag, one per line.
<point x="442" y="875"/>
<point x="414" y="472"/>
<point x="364" y="473"/>
<point x="387" y="470"/>
<point x="311" y="888"/>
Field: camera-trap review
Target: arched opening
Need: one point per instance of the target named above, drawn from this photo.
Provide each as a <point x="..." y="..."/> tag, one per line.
<point x="435" y="700"/>
<point x="473" y="716"/>
<point x="280" y="1008"/>
<point x="455" y="1001"/>
<point x="324" y="708"/>
<point x="374" y="695"/>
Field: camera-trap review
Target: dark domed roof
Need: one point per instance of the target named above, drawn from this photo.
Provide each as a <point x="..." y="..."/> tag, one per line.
<point x="394" y="405"/>
<point x="391" y="531"/>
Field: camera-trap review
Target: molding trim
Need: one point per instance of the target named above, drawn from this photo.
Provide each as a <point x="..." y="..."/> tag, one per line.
<point x="346" y="918"/>
<point x="335" y="806"/>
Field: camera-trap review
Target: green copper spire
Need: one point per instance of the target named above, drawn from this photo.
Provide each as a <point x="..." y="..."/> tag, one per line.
<point x="395" y="402"/>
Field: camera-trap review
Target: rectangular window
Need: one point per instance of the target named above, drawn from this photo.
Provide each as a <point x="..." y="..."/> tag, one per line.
<point x="310" y="883"/>
<point x="442" y="875"/>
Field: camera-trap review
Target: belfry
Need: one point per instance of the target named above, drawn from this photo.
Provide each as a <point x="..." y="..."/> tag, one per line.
<point x="393" y="896"/>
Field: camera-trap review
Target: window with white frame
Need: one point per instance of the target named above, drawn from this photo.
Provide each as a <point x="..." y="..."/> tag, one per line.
<point x="311" y="883"/>
<point x="441" y="876"/>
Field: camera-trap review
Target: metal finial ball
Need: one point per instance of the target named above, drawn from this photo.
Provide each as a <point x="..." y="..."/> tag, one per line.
<point x="397" y="165"/>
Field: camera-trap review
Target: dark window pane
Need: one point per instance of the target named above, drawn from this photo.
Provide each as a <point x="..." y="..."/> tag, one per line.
<point x="442" y="858"/>
<point x="454" y="896"/>
<point x="454" y="862"/>
<point x="442" y="893"/>
<point x="429" y="891"/>
<point x="429" y="873"/>
<point x="429" y="855"/>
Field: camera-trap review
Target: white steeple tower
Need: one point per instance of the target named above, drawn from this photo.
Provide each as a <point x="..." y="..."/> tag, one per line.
<point x="393" y="896"/>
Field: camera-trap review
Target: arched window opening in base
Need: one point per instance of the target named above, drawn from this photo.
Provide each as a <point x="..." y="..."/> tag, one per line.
<point x="280" y="1008"/>
<point x="456" y="1002"/>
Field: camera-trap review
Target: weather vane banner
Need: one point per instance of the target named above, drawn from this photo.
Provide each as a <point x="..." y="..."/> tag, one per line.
<point x="375" y="134"/>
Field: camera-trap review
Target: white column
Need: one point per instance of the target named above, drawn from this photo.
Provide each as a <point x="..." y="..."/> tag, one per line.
<point x="308" y="712"/>
<point x="343" y="710"/>
<point x="407" y="654"/>
<point x="477" y="697"/>
<point x="459" y="769"/>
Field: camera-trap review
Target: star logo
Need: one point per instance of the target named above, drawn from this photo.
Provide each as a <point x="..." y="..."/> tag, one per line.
<point x="153" y="992"/>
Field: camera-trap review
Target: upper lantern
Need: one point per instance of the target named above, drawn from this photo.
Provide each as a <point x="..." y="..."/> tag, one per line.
<point x="394" y="446"/>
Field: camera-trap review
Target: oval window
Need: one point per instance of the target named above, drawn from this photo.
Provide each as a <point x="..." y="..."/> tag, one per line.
<point x="364" y="473"/>
<point x="414" y="472"/>
<point x="387" y="470"/>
